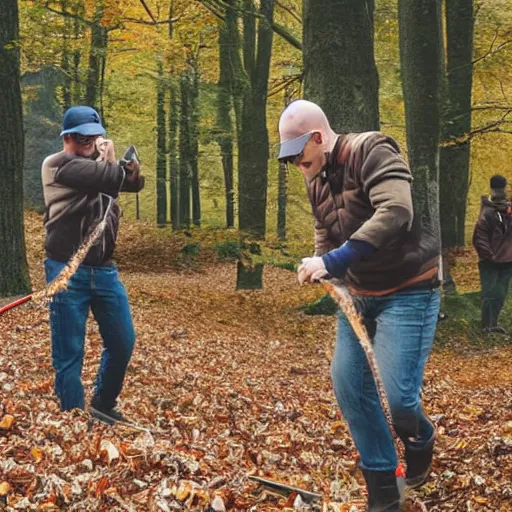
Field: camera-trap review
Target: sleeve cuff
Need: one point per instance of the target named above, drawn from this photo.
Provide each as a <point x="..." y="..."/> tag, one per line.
<point x="339" y="260"/>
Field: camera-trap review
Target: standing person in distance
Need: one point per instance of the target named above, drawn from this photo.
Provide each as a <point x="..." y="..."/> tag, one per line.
<point x="492" y="239"/>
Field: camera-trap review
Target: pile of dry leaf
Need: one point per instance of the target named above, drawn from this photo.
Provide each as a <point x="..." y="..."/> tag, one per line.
<point x="231" y="384"/>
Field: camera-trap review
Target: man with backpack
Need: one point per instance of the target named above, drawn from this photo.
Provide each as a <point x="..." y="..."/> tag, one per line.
<point x="492" y="239"/>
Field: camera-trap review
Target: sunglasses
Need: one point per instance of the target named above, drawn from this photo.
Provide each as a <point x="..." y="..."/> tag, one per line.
<point x="84" y="140"/>
<point x="295" y="159"/>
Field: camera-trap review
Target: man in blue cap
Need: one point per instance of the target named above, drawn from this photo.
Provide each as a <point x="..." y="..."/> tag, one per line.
<point x="80" y="185"/>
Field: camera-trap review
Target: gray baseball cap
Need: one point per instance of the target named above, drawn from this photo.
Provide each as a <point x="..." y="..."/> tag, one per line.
<point x="291" y="148"/>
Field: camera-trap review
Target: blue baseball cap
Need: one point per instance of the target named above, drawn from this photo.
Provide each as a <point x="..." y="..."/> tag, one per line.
<point x="82" y="120"/>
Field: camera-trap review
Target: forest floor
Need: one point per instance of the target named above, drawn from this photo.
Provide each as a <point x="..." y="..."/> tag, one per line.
<point x="235" y="383"/>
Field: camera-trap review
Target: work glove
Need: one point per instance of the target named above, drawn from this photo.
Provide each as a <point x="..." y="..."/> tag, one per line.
<point x="311" y="270"/>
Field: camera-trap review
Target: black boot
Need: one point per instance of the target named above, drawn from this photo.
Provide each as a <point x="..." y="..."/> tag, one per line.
<point x="383" y="494"/>
<point x="419" y="461"/>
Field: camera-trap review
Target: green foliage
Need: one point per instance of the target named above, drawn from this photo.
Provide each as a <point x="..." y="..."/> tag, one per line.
<point x="323" y="306"/>
<point x="286" y="265"/>
<point x="229" y="250"/>
<point x="191" y="249"/>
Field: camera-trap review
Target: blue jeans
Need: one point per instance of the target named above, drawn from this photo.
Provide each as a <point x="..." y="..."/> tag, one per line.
<point x="98" y="289"/>
<point x="402" y="326"/>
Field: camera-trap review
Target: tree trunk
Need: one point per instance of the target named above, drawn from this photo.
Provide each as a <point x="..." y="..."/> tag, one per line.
<point x="174" y="182"/>
<point x="419" y="27"/>
<point x="249" y="278"/>
<point x="77" y="55"/>
<point x="67" y="95"/>
<point x="71" y="54"/>
<point x="224" y="120"/>
<point x="14" y="276"/>
<point x="184" y="138"/>
<point x="455" y="150"/>
<point x="194" y="139"/>
<point x="97" y="58"/>
<point x="161" y="150"/>
<point x="340" y="74"/>
<point x="251" y="87"/>
<point x="253" y="137"/>
<point x="282" y="186"/>
<point x="174" y="171"/>
<point x="189" y="145"/>
<point x="249" y="92"/>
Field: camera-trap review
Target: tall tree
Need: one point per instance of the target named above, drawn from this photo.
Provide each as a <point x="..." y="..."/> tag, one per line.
<point x="251" y="110"/>
<point x="78" y="9"/>
<point x="224" y="109"/>
<point x="456" y="121"/>
<point x="193" y="99"/>
<point x="340" y="73"/>
<point x="172" y="139"/>
<point x="97" y="60"/>
<point x="419" y="35"/>
<point x="250" y="66"/>
<point x="161" y="150"/>
<point x="67" y="95"/>
<point x="174" y="171"/>
<point x="190" y="203"/>
<point x="14" y="276"/>
<point x="184" y="151"/>
<point x="253" y="141"/>
<point x="282" y="184"/>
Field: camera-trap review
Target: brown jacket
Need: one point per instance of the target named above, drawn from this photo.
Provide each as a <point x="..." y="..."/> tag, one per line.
<point x="364" y="193"/>
<point x="78" y="193"/>
<point x="492" y="237"/>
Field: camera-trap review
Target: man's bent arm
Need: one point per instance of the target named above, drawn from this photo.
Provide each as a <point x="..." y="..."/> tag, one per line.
<point x="394" y="212"/>
<point x="89" y="175"/>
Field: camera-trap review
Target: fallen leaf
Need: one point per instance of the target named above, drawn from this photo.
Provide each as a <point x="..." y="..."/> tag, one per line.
<point x="37" y="454"/>
<point x="107" y="448"/>
<point x="4" y="488"/>
<point x="7" y="422"/>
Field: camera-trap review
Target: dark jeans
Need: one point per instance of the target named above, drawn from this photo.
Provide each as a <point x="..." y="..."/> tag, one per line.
<point x="494" y="280"/>
<point x="98" y="289"/>
<point x="402" y="326"/>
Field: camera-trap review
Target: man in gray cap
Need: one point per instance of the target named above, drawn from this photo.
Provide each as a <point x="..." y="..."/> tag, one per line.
<point x="359" y="187"/>
<point x="80" y="185"/>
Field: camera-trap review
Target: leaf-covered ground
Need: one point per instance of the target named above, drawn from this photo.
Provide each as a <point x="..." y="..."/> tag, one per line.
<point x="234" y="383"/>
